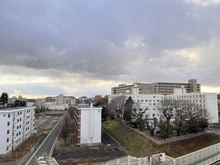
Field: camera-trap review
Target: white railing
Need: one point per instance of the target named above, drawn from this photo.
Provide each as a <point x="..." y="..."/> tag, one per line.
<point x="129" y="160"/>
<point x="200" y="156"/>
<point x="204" y="156"/>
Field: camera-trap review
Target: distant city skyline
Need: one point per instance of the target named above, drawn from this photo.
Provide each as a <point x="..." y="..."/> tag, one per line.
<point x="86" y="47"/>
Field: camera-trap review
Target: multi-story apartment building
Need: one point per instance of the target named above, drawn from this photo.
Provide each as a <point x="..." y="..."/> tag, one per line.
<point x="164" y="88"/>
<point x="152" y="101"/>
<point x="40" y="104"/>
<point x="60" y="99"/>
<point x="144" y="101"/>
<point x="59" y="102"/>
<point x="17" y="124"/>
<point x="168" y="88"/>
<point x="87" y="125"/>
<point x="204" y="100"/>
<point x="97" y="98"/>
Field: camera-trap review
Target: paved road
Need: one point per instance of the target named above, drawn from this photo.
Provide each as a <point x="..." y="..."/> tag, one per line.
<point x="106" y="138"/>
<point x="47" y="144"/>
<point x="95" y="153"/>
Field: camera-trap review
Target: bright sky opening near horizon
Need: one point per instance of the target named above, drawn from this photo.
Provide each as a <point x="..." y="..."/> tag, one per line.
<point x="86" y="47"/>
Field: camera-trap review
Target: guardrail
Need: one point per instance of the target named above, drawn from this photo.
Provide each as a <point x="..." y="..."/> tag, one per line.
<point x="24" y="159"/>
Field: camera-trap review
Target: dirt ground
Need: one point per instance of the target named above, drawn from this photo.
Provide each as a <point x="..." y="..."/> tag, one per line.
<point x="53" y="112"/>
<point x="22" y="150"/>
<point x="50" y="125"/>
<point x="71" y="144"/>
<point x="183" y="147"/>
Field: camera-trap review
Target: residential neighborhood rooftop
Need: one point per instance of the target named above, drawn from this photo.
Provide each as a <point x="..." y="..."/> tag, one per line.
<point x="14" y="108"/>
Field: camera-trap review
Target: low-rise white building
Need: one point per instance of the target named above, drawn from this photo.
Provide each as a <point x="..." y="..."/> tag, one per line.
<point x="87" y="125"/>
<point x="59" y="102"/>
<point x="17" y="124"/>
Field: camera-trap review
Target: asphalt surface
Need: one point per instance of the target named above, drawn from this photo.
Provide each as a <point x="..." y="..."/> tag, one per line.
<point x="47" y="144"/>
<point x="106" y="138"/>
<point x="95" y="153"/>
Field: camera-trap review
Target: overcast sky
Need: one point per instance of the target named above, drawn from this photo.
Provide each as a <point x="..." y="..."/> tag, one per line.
<point x="85" y="47"/>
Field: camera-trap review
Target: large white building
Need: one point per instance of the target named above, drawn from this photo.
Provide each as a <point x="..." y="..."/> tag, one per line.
<point x="152" y="101"/>
<point x="17" y="124"/>
<point x="205" y="100"/>
<point x="149" y="101"/>
<point x="87" y="125"/>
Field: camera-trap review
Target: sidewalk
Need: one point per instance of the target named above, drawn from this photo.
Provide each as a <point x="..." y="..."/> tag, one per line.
<point x="172" y="139"/>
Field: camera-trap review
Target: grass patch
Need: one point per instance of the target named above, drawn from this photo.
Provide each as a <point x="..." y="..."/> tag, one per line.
<point x="70" y="146"/>
<point x="139" y="146"/>
<point x="135" y="144"/>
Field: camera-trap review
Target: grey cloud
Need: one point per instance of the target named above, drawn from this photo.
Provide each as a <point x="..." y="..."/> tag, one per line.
<point x="87" y="37"/>
<point x="39" y="89"/>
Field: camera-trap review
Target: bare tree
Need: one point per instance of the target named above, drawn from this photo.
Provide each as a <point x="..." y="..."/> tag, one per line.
<point x="167" y="109"/>
<point x="197" y="117"/>
<point x="116" y="106"/>
<point x="66" y="123"/>
<point x="181" y="115"/>
<point x="188" y="115"/>
<point x="150" y="128"/>
<point x="138" y="114"/>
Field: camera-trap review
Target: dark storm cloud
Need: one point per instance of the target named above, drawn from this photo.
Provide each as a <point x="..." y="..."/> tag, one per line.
<point x="89" y="37"/>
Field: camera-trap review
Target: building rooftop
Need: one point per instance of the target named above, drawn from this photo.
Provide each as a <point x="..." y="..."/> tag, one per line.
<point x="14" y="108"/>
<point x="47" y="161"/>
<point x="83" y="105"/>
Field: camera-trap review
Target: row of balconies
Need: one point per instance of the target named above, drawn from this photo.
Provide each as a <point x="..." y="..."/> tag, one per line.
<point x="77" y="114"/>
<point x="77" y="126"/>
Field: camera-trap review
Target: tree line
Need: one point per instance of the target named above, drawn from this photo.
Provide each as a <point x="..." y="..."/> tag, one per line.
<point x="176" y="115"/>
<point x="4" y="101"/>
